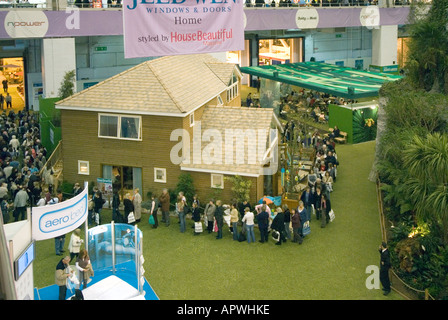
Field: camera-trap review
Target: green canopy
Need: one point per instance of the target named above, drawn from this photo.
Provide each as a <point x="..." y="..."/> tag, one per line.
<point x="339" y="81"/>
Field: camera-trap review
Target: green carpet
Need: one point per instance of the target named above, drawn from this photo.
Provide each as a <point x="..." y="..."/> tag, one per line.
<point x="330" y="264"/>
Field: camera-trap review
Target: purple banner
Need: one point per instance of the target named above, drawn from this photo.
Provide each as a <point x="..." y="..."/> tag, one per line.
<point x="72" y="22"/>
<point x="168" y="27"/>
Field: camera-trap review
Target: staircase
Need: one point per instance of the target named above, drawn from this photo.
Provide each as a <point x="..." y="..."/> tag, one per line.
<point x="55" y="162"/>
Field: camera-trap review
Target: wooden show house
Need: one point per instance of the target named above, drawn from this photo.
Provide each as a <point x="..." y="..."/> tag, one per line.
<point x="145" y="126"/>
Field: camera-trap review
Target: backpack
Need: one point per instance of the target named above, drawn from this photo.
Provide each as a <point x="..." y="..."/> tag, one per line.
<point x="241" y="237"/>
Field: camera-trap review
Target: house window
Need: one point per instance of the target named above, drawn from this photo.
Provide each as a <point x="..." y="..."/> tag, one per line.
<point x="217" y="181"/>
<point x="120" y="126"/>
<point x="160" y="175"/>
<point x="232" y="89"/>
<point x="191" y="119"/>
<point x="83" y="167"/>
<point x="220" y="102"/>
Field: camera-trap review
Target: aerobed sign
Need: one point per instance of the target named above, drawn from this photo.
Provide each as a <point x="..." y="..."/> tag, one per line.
<point x="57" y="219"/>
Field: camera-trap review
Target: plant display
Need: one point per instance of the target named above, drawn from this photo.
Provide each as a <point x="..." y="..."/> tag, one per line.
<point x="412" y="157"/>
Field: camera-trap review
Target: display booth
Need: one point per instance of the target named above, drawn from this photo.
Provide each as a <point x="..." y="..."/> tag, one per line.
<point x="115" y="252"/>
<point x="358" y="120"/>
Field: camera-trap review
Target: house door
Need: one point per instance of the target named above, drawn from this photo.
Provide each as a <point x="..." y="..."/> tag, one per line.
<point x="124" y="179"/>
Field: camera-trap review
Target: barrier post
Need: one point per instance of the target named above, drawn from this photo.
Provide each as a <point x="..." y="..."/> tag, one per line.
<point x="112" y="226"/>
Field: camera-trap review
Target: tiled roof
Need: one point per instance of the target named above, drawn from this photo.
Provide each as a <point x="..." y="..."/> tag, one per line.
<point x="222" y="118"/>
<point x="171" y="84"/>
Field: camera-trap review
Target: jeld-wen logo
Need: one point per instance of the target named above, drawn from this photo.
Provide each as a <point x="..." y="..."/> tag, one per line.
<point x="62" y="218"/>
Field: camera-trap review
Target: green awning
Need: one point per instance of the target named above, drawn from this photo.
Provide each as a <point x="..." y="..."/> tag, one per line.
<point x="339" y="81"/>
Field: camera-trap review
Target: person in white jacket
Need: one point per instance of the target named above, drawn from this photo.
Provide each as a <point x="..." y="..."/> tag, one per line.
<point x="75" y="243"/>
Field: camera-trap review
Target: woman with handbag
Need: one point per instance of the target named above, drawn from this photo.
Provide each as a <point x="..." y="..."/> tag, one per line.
<point x="153" y="212"/>
<point x="137" y="202"/>
<point x="84" y="267"/>
<point x="75" y="243"/>
<point x="128" y="207"/>
<point x="325" y="208"/>
<point x="219" y="217"/>
<point x="181" y="208"/>
<point x="197" y="219"/>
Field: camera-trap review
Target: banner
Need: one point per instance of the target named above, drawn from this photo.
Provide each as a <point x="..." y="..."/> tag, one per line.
<point x="153" y="28"/>
<point x="57" y="219"/>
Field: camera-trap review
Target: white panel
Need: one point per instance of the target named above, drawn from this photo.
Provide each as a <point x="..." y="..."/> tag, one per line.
<point x="58" y="57"/>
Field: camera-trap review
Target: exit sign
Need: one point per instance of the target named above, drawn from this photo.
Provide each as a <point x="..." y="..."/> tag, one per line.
<point x="100" y="48"/>
<point x="338" y="35"/>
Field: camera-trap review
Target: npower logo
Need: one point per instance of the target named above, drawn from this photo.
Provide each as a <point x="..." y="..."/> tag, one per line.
<point x="26" y="24"/>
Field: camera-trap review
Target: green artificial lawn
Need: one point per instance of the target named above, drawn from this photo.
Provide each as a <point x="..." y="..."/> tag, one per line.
<point x="330" y="264"/>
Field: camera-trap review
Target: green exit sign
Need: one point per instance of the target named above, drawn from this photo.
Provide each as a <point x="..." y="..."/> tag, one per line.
<point x="100" y="48"/>
<point x="338" y="35"/>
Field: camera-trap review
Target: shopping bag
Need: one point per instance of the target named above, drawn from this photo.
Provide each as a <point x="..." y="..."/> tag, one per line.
<point x="331" y="214"/>
<point x="97" y="218"/>
<point x="276" y="235"/>
<point x="131" y="217"/>
<point x="215" y="227"/>
<point x="306" y="228"/>
<point x="198" y="227"/>
<point x="151" y="220"/>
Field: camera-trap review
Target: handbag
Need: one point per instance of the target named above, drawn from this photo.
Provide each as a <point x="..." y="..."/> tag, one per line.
<point x="131" y="217"/>
<point x="151" y="220"/>
<point x="276" y="235"/>
<point x="306" y="228"/>
<point x="331" y="214"/>
<point x="215" y="227"/>
<point x="198" y="227"/>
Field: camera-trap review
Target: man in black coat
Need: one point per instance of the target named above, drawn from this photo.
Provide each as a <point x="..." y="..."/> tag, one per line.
<point x="308" y="199"/>
<point x="278" y="224"/>
<point x="384" y="268"/>
<point x="263" y="224"/>
<point x="219" y="216"/>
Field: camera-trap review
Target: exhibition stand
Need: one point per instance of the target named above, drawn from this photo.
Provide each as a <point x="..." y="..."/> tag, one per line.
<point x="115" y="252"/>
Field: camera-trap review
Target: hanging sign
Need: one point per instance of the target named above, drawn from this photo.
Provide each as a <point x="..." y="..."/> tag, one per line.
<point x="54" y="220"/>
<point x="155" y="28"/>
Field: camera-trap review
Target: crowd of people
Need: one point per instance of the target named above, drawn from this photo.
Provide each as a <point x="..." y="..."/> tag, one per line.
<point x="282" y="222"/>
<point x="25" y="181"/>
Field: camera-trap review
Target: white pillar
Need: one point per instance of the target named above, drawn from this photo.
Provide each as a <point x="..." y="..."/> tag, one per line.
<point x="296" y="50"/>
<point x="384" y="45"/>
<point x="245" y="61"/>
<point x="58" y="57"/>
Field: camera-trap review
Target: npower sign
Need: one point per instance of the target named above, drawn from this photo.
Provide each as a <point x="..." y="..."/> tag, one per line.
<point x="55" y="220"/>
<point x="26" y="24"/>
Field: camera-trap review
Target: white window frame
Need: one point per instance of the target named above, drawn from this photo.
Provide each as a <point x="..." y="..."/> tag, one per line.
<point x="86" y="165"/>
<point x="221" y="176"/>
<point x="120" y="116"/>
<point x="232" y="91"/>
<point x="163" y="180"/>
